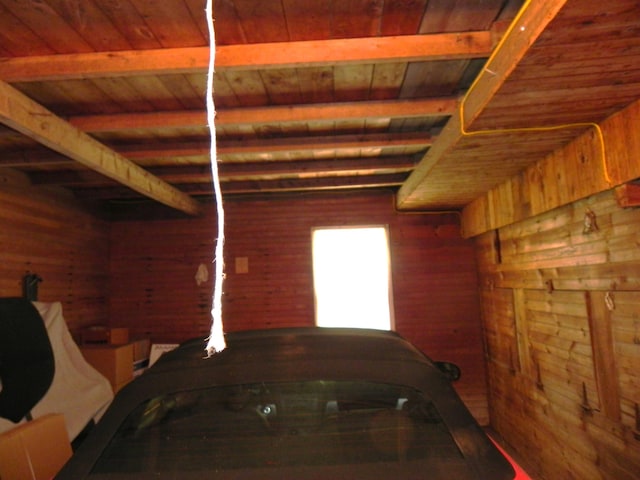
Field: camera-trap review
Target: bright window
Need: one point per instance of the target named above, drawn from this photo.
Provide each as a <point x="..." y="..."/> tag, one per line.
<point x="352" y="278"/>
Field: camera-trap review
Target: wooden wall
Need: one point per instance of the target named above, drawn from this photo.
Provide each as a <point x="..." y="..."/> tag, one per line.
<point x="561" y="306"/>
<point x="154" y="262"/>
<point x="50" y="234"/>
<point x="561" y="312"/>
<point x="588" y="165"/>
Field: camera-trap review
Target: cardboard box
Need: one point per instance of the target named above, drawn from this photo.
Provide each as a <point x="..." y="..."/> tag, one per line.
<point x="114" y="361"/>
<point x="35" y="450"/>
<point x="103" y="334"/>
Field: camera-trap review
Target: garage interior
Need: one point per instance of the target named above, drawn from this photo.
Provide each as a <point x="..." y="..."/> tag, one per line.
<point x="498" y="141"/>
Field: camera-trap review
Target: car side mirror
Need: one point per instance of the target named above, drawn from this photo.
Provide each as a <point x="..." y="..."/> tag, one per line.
<point x="451" y="370"/>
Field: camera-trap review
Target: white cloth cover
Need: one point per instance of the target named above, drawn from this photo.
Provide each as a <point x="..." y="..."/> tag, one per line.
<point x="78" y="390"/>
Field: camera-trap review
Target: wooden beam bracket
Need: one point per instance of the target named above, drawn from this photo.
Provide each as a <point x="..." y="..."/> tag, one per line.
<point x="539" y="384"/>
<point x="628" y="195"/>
<point x="586" y="407"/>
<point x="590" y="222"/>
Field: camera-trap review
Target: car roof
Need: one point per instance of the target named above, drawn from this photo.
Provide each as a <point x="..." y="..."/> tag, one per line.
<point x="287" y="345"/>
<point x="299" y="354"/>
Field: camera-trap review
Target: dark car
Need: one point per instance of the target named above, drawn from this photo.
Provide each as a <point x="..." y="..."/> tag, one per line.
<point x="301" y="403"/>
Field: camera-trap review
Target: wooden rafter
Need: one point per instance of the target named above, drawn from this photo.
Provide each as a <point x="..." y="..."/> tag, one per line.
<point x="45" y="158"/>
<point x="263" y="186"/>
<point x="19" y="112"/>
<point x="228" y="148"/>
<point x="405" y="48"/>
<point x="261" y="115"/>
<point x="257" y="171"/>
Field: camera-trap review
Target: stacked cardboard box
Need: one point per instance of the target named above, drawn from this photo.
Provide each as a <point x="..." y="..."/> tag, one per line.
<point x="113" y="361"/>
<point x="109" y="350"/>
<point x="34" y="450"/>
<point x="103" y="334"/>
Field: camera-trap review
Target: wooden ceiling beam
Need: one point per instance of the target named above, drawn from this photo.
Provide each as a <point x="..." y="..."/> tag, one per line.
<point x="425" y="107"/>
<point x="524" y="31"/>
<point x="242" y="171"/>
<point x="19" y="112"/>
<point x="315" y="184"/>
<point x="33" y="158"/>
<point x="337" y="142"/>
<point x="227" y="147"/>
<point x="349" y="51"/>
<point x="46" y="158"/>
<point x="309" y="168"/>
<point x="261" y="186"/>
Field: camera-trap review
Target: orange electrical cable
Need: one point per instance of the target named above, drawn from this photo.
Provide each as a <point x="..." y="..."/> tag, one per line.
<point x="495" y="52"/>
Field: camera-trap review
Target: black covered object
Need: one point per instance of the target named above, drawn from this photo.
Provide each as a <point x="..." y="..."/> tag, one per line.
<point x="26" y="358"/>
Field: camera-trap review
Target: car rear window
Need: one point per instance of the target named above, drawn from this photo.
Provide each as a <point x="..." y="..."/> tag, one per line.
<point x="260" y="426"/>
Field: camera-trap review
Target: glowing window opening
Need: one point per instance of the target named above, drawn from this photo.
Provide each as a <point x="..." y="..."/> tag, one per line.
<point x="352" y="277"/>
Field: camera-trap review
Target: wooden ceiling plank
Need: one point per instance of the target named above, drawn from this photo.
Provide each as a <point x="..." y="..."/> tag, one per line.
<point x="316" y="83"/>
<point x="130" y="22"/>
<point x="19" y="112"/>
<point x="312" y="53"/>
<point x="401" y="17"/>
<point x="453" y="15"/>
<point x="387" y="81"/>
<point x="171" y="23"/>
<point x="87" y="18"/>
<point x="356" y="18"/>
<point x="526" y="28"/>
<point x="261" y="21"/>
<point x="19" y="41"/>
<point x="282" y="86"/>
<point x="301" y="25"/>
<point x="42" y="19"/>
<point x="260" y="115"/>
<point x="247" y="87"/>
<point x="352" y="83"/>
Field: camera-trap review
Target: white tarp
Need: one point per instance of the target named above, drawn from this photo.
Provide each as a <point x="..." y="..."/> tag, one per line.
<point x="78" y="391"/>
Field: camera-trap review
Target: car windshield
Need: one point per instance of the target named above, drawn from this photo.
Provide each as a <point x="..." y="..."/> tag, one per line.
<point x="267" y="425"/>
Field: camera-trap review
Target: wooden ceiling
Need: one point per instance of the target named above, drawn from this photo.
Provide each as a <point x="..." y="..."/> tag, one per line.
<point x="107" y="97"/>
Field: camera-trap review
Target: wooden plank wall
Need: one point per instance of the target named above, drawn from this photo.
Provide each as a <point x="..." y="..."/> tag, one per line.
<point x="48" y="233"/>
<point x="588" y="165"/>
<point x="561" y="313"/>
<point x="153" y="264"/>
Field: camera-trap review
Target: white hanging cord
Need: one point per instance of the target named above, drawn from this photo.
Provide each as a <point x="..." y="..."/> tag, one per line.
<point x="215" y="342"/>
